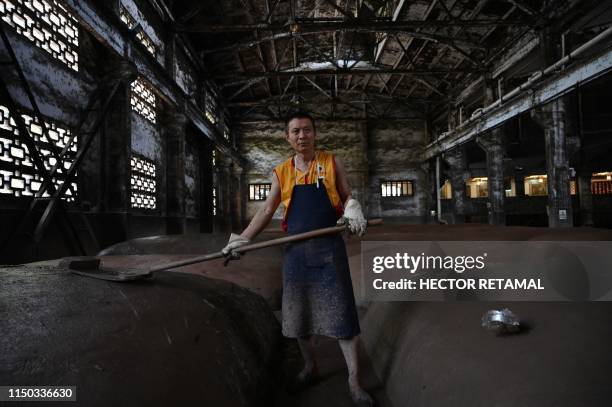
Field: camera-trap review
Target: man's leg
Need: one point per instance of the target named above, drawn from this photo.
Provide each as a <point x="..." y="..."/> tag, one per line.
<point x="310" y="371"/>
<point x="349" y="349"/>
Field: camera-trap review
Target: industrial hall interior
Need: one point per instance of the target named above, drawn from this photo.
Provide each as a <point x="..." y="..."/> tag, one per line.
<point x="186" y="189"/>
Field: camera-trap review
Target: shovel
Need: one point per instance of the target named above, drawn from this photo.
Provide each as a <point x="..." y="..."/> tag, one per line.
<point x="90" y="266"/>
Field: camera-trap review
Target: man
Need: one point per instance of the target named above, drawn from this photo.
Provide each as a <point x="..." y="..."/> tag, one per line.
<point x="317" y="291"/>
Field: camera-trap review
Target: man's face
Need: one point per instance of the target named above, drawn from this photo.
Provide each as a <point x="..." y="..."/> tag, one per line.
<point x="301" y="135"/>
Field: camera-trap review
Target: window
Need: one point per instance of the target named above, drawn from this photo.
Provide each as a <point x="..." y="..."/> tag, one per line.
<point x="143" y="183"/>
<point x="396" y="188"/>
<point x="601" y="183"/>
<point x="214" y="188"/>
<point x="211" y="108"/>
<point x="536" y="185"/>
<point x="226" y="131"/>
<point x="143" y="100"/>
<point x="47" y="24"/>
<point x="214" y="200"/>
<point x="144" y="39"/>
<point x="509" y="187"/>
<point x="18" y="174"/>
<point x="446" y="191"/>
<point x="259" y="192"/>
<point x="477" y="187"/>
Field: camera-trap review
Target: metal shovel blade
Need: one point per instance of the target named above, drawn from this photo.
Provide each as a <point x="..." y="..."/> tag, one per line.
<point x="115" y="275"/>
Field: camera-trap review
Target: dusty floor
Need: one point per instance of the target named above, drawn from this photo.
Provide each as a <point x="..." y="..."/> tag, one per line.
<point x="460" y="362"/>
<point x="436" y="354"/>
<point x="331" y="389"/>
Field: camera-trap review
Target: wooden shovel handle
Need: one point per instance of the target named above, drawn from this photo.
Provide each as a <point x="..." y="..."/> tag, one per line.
<point x="261" y="245"/>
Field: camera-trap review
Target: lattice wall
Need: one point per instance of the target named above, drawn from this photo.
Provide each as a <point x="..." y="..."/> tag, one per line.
<point x="143" y="183"/>
<point x="214" y="200"/>
<point x="211" y="108"/>
<point x="18" y="175"/>
<point x="143" y="100"/>
<point x="47" y="24"/>
<point x="144" y="39"/>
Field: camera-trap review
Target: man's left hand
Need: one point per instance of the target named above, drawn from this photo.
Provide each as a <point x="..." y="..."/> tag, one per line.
<point x="353" y="215"/>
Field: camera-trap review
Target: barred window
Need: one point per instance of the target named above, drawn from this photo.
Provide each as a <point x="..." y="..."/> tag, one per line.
<point x="477" y="187"/>
<point x="214" y="200"/>
<point x="509" y="187"/>
<point x="143" y="100"/>
<point x="47" y="24"/>
<point x="536" y="185"/>
<point x="143" y="183"/>
<point x="446" y="191"/>
<point x="259" y="192"/>
<point x="214" y="188"/>
<point x="211" y="108"/>
<point x="130" y="22"/>
<point x="601" y="183"/>
<point x="396" y="188"/>
<point x="18" y="174"/>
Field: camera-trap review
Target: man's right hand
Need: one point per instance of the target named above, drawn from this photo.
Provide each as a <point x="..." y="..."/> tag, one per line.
<point x="235" y="241"/>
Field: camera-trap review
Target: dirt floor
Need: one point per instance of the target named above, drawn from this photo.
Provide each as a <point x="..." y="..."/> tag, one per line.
<point x="331" y="389"/>
<point x="429" y="354"/>
<point x="437" y="354"/>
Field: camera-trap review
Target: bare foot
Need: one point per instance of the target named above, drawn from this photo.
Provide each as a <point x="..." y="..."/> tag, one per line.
<point x="309" y="375"/>
<point x="359" y="396"/>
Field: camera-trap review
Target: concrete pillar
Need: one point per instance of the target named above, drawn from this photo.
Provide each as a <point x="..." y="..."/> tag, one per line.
<point x="547" y="49"/>
<point x="206" y="186"/>
<point x="551" y="117"/>
<point x="237" y="197"/>
<point x="452" y="117"/>
<point x="225" y="193"/>
<point x="170" y="53"/>
<point x="364" y="174"/>
<point x="489" y="89"/>
<point x="432" y="207"/>
<point x="106" y="162"/>
<point x="116" y="148"/>
<point x="428" y="200"/>
<point x="493" y="145"/>
<point x="519" y="183"/>
<point x="174" y="127"/>
<point x="115" y="152"/>
<point x="217" y="182"/>
<point x="457" y="161"/>
<point x="585" y="195"/>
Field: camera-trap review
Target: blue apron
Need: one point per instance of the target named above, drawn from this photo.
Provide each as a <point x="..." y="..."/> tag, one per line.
<point x="317" y="291"/>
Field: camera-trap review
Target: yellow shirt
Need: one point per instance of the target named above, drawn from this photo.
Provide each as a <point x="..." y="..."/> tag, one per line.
<point x="289" y="176"/>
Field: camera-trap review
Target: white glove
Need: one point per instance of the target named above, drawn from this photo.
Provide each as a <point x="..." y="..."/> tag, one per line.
<point x="354" y="216"/>
<point x="235" y="241"/>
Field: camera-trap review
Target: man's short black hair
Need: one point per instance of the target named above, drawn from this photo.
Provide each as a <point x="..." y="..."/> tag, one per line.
<point x="299" y="115"/>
